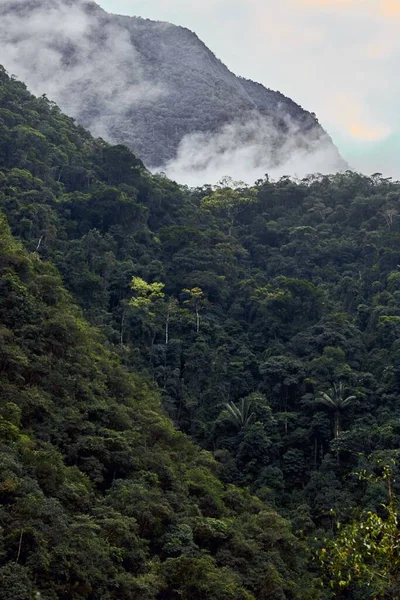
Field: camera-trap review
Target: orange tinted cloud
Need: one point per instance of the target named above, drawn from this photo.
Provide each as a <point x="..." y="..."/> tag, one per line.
<point x="390" y="8"/>
<point x="385" y="8"/>
<point x="354" y="119"/>
<point x="363" y="132"/>
<point x="382" y="47"/>
<point x="327" y="2"/>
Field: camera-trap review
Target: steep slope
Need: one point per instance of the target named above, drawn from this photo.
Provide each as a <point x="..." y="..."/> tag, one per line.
<point x="280" y="302"/>
<point x="101" y="498"/>
<point x="152" y="86"/>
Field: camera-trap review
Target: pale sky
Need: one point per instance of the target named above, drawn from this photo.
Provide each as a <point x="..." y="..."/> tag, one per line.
<point x="337" y="58"/>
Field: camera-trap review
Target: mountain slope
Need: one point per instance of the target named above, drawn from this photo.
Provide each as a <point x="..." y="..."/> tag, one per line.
<point x="151" y="86"/>
<point x="281" y="301"/>
<point x="101" y="497"/>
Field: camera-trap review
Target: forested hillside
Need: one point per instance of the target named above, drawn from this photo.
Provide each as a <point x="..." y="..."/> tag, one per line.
<point x="264" y="321"/>
<point x="101" y="498"/>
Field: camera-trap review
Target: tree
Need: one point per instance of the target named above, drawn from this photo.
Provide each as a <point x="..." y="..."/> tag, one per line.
<point x="365" y="554"/>
<point x="146" y="296"/>
<point x="196" y="300"/>
<point x="171" y="309"/>
<point x="230" y="202"/>
<point x="240" y="415"/>
<point x="336" y="401"/>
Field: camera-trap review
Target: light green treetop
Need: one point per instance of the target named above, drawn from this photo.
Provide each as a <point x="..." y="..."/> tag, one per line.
<point x="145" y="294"/>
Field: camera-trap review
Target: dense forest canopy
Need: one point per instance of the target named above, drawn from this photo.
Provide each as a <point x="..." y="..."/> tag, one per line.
<point x="262" y="321"/>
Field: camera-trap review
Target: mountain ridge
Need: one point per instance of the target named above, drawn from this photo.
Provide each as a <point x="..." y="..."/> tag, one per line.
<point x="152" y="85"/>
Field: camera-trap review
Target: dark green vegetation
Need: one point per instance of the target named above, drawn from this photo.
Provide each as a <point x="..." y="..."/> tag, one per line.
<point x="366" y="552"/>
<point x="273" y="342"/>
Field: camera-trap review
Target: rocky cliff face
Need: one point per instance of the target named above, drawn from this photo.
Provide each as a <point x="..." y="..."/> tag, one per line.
<point x="158" y="89"/>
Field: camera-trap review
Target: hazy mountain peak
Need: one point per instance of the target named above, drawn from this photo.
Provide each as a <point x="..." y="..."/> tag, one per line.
<point x="158" y="89"/>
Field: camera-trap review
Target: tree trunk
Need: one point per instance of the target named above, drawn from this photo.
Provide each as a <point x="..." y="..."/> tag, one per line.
<point x="19" y="545"/>
<point x="39" y="244"/>
<point x="167" y="330"/>
<point x="121" y="338"/>
<point x="315" y="452"/>
<point x="337" y="431"/>
<point x="336" y="425"/>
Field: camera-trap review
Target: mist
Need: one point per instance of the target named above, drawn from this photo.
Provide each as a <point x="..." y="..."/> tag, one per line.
<point x="158" y="89"/>
<point x="79" y="58"/>
<point x="248" y="150"/>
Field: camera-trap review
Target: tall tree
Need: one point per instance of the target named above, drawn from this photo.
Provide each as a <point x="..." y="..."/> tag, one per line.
<point x="336" y="400"/>
<point x="196" y="300"/>
<point x="240" y="415"/>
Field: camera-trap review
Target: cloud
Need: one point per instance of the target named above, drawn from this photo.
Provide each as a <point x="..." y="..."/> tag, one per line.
<point x="334" y="3"/>
<point x="385" y="8"/>
<point x="310" y="50"/>
<point x="87" y="62"/>
<point x="362" y="132"/>
<point x="390" y="8"/>
<point x="338" y="58"/>
<point x="57" y="52"/>
<point x="250" y="149"/>
<point x="355" y="120"/>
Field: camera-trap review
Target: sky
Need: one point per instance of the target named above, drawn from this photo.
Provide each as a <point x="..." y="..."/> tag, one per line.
<point x="337" y="58"/>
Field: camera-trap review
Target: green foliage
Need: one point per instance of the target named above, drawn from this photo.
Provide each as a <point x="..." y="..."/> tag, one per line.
<point x="101" y="496"/>
<point x="241" y="415"/>
<point x="145" y="294"/>
<point x="229" y="202"/>
<point x="365" y="554"/>
<point x="336" y="400"/>
<point x="132" y="308"/>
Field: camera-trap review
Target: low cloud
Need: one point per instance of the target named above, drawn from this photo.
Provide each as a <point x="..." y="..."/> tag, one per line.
<point x="338" y="58"/>
<point x="87" y="62"/>
<point x="247" y="150"/>
<point x="311" y="50"/>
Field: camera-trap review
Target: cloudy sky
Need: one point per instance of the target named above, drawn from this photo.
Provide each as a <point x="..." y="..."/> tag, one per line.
<point x="337" y="58"/>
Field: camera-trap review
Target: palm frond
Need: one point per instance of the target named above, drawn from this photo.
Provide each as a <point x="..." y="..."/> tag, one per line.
<point x="324" y="398"/>
<point x="239" y="415"/>
<point x="348" y="400"/>
<point x="333" y="398"/>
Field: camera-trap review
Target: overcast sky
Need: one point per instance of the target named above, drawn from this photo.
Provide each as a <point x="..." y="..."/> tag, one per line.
<point x="337" y="58"/>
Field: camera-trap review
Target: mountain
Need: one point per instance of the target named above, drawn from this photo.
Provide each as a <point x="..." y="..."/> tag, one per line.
<point x="101" y="497"/>
<point x="263" y="322"/>
<point x="158" y="89"/>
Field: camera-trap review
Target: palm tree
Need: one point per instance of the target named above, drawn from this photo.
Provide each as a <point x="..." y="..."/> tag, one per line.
<point x="336" y="400"/>
<point x="240" y="415"/>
